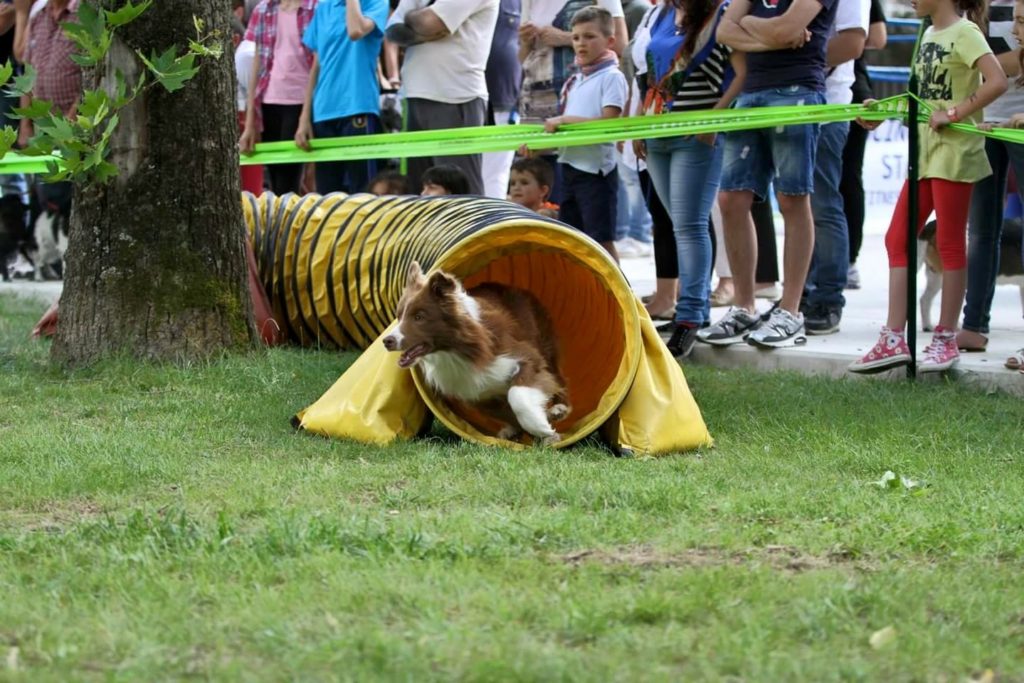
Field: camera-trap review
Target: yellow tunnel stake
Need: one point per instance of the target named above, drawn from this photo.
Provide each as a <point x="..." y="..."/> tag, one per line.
<point x="334" y="268"/>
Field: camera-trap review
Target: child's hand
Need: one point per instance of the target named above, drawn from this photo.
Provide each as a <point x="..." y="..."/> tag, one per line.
<point x="868" y="125"/>
<point x="527" y="33"/>
<point x="1016" y="121"/>
<point x="552" y="124"/>
<point x="708" y="138"/>
<point x="550" y="36"/>
<point x="640" y="149"/>
<point x="524" y="152"/>
<point x="939" y="119"/>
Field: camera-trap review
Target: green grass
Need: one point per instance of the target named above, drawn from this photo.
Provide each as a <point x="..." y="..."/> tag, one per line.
<point x="167" y="523"/>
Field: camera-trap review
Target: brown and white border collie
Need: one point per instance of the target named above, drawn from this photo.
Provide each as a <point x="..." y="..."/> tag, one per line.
<point x="493" y="347"/>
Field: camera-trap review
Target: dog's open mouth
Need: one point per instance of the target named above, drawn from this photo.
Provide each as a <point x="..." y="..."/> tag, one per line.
<point x="413" y="355"/>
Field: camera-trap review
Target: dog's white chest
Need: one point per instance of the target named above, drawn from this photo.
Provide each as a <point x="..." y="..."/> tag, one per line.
<point x="452" y="375"/>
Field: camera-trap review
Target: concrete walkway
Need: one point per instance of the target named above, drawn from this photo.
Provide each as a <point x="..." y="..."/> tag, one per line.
<point x="862" y="319"/>
<point x="828" y="355"/>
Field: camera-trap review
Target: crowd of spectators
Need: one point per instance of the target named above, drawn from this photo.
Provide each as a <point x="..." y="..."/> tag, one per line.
<point x="312" y="69"/>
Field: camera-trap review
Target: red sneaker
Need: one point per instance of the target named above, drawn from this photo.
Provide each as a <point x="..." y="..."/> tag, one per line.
<point x="890" y="351"/>
<point x="942" y="353"/>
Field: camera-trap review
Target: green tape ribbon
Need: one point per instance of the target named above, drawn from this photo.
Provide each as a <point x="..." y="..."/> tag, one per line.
<point x="15" y="162"/>
<point x="454" y="141"/>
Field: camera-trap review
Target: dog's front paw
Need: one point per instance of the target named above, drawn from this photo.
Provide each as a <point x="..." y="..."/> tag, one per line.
<point x="509" y="433"/>
<point x="558" y="412"/>
<point x="548" y="441"/>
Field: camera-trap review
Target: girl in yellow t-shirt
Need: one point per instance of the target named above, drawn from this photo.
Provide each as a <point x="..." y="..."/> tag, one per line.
<point x="952" y="61"/>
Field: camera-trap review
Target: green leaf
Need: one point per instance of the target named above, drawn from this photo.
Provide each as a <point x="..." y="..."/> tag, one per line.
<point x="88" y="20"/>
<point x="170" y="71"/>
<point x="889" y="480"/>
<point x="6" y="71"/>
<point x="127" y="14"/>
<point x="36" y="109"/>
<point x="23" y="84"/>
<point x="8" y="136"/>
<point x="89" y="34"/>
<point x="104" y="171"/>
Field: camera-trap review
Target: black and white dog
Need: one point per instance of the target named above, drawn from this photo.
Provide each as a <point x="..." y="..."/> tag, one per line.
<point x="50" y="216"/>
<point x="1011" y="265"/>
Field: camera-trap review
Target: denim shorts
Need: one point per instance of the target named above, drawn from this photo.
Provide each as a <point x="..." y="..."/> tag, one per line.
<point x="783" y="155"/>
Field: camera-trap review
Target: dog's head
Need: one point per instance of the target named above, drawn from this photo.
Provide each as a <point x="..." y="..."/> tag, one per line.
<point x="431" y="312"/>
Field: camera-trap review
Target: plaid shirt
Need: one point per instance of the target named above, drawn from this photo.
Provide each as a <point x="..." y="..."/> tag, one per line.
<point x="263" y="31"/>
<point x="58" y="79"/>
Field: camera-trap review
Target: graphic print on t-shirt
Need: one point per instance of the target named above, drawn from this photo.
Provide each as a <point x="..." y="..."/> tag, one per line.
<point x="935" y="82"/>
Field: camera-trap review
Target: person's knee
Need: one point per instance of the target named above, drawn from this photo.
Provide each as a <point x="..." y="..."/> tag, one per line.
<point x="794" y="204"/>
<point x="896" y="247"/>
<point x="734" y="205"/>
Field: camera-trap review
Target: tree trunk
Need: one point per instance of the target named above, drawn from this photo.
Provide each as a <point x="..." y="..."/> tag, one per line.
<point x="155" y="263"/>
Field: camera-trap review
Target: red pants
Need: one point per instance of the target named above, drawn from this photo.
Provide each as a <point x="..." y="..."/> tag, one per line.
<point x="252" y="176"/>
<point x="951" y="201"/>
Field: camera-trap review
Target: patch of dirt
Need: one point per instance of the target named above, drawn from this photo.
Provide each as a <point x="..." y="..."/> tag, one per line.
<point x="780" y="557"/>
<point x="52" y="516"/>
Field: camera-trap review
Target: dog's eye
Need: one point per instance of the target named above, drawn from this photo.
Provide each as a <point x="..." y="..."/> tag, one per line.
<point x="418" y="317"/>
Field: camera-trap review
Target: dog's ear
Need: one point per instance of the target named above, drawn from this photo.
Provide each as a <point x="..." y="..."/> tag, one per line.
<point x="442" y="284"/>
<point x="414" y="276"/>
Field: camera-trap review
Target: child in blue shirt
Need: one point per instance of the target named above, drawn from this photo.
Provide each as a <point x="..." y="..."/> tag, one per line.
<point x="343" y="97"/>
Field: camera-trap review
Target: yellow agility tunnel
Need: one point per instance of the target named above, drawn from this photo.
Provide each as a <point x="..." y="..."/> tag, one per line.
<point x="334" y="268"/>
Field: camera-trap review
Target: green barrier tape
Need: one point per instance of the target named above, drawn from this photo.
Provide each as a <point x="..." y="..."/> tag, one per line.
<point x="455" y="141"/>
<point x="13" y="162"/>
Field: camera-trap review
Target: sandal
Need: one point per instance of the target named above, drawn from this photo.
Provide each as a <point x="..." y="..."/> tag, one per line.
<point x="721" y="298"/>
<point x="669" y="314"/>
<point x="972" y="347"/>
<point x="1016" y="361"/>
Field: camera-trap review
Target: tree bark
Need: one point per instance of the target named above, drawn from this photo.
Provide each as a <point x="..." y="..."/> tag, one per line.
<point x="155" y="263"/>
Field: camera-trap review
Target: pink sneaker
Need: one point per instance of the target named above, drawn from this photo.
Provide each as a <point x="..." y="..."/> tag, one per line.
<point x="942" y="353"/>
<point x="890" y="351"/>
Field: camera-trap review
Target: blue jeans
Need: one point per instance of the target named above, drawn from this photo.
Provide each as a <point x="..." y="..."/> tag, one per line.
<point x="346" y="176"/>
<point x="985" y="229"/>
<point x="827" y="277"/>
<point x="781" y="155"/>
<point x="685" y="173"/>
<point x="633" y="219"/>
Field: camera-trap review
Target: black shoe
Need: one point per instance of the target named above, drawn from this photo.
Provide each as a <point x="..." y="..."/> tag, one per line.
<point x="681" y="342"/>
<point x="823" y="319"/>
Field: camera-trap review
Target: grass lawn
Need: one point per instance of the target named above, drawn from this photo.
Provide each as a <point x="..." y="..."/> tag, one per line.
<point x="162" y="523"/>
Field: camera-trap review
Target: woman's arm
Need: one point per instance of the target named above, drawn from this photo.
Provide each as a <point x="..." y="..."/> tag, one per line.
<point x="739" y="67"/>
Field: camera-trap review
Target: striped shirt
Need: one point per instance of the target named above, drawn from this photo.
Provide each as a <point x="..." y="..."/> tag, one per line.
<point x="262" y="30"/>
<point x="675" y="85"/>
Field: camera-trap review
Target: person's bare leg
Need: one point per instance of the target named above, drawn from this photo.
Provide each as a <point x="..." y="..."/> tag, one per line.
<point x="954" y="287"/>
<point x="798" y="249"/>
<point x="740" y="244"/>
<point x="610" y="248"/>
<point x="666" y="293"/>
<point x="897" y="319"/>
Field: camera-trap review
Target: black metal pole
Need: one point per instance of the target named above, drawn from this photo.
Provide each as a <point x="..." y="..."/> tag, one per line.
<point x="913" y="144"/>
<point x="913" y="148"/>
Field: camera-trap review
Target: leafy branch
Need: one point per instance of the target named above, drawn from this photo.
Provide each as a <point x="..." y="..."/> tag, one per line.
<point x="82" y="141"/>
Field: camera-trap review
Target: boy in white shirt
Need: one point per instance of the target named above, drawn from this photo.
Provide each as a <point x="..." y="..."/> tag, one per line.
<point x="596" y="91"/>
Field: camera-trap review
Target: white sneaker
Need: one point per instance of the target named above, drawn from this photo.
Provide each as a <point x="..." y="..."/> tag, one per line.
<point x="782" y="329"/>
<point x="626" y="248"/>
<point x="643" y="249"/>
